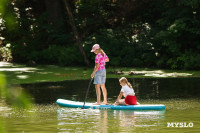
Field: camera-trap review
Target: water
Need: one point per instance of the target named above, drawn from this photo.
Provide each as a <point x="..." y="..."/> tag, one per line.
<point x="181" y="97"/>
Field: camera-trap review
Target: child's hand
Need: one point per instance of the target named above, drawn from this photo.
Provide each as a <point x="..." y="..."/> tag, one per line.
<point x="92" y="75"/>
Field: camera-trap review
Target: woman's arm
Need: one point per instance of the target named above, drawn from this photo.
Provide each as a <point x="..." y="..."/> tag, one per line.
<point x="107" y="59"/>
<point x="95" y="70"/>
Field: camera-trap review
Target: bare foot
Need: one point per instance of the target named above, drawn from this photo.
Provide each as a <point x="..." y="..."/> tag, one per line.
<point x="104" y="103"/>
<point x="96" y="103"/>
<point x="138" y="103"/>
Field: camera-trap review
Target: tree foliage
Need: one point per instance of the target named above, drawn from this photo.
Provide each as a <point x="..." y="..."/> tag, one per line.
<point x="134" y="33"/>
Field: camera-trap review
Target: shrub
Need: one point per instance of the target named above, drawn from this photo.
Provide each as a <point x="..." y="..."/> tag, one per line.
<point x="5" y="53"/>
<point x="61" y="55"/>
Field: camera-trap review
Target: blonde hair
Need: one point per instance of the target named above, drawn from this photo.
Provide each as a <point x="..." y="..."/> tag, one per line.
<point x="124" y="80"/>
<point x="101" y="51"/>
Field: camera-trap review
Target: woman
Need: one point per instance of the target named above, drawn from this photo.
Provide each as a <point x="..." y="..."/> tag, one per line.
<point x="99" y="73"/>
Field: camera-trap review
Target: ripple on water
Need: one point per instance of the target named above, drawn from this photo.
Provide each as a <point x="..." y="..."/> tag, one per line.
<point x="54" y="118"/>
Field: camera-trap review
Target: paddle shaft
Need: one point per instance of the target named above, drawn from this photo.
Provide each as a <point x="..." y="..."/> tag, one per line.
<point x="87" y="92"/>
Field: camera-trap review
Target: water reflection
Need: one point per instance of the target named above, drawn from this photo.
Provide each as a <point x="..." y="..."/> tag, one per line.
<point x="54" y="119"/>
<point x="99" y="120"/>
<point x="78" y="119"/>
<point x="145" y="88"/>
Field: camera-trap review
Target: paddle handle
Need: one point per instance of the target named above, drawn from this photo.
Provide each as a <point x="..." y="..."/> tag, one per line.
<point x="87" y="92"/>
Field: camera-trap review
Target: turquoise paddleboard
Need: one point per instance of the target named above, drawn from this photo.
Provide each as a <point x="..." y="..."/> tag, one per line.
<point x="74" y="104"/>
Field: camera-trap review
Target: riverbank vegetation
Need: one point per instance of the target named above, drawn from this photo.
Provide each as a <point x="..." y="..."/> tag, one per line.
<point x="138" y="33"/>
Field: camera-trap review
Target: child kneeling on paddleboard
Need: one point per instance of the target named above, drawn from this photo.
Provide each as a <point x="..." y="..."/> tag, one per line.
<point x="126" y="91"/>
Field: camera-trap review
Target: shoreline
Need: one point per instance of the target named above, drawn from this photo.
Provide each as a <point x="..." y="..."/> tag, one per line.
<point x="21" y="73"/>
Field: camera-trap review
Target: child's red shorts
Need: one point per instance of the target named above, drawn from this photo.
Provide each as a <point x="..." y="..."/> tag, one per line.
<point x="130" y="100"/>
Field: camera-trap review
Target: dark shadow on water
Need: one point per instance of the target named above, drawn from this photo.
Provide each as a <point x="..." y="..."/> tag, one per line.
<point x="145" y="88"/>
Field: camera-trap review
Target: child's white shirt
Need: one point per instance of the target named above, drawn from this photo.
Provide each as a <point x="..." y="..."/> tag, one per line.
<point x="127" y="90"/>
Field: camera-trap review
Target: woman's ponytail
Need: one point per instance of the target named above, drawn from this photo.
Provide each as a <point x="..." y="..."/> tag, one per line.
<point x="102" y="52"/>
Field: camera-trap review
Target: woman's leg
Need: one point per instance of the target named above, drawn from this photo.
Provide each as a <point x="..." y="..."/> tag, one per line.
<point x="103" y="87"/>
<point x="98" y="92"/>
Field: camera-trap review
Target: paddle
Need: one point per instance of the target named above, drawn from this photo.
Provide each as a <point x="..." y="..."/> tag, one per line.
<point x="87" y="92"/>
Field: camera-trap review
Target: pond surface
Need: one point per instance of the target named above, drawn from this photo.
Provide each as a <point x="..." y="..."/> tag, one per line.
<point x="180" y="95"/>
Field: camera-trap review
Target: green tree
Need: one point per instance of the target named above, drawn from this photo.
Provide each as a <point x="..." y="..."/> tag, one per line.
<point x="137" y="33"/>
<point x="179" y="34"/>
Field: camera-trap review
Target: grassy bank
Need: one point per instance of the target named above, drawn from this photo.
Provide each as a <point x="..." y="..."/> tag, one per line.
<point x="19" y="73"/>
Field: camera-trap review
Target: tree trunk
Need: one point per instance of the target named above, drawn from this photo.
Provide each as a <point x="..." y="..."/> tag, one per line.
<point x="53" y="8"/>
<point x="75" y="31"/>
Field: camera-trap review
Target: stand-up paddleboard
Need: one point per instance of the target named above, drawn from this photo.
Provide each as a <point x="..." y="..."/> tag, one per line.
<point x="74" y="104"/>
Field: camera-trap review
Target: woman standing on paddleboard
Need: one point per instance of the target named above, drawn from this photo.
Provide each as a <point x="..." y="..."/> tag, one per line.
<point x="99" y="73"/>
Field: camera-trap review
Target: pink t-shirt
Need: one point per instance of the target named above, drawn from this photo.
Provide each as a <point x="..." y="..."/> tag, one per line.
<point x="100" y="59"/>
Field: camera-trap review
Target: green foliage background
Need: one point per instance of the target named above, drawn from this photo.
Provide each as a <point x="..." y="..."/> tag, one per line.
<point x="137" y="33"/>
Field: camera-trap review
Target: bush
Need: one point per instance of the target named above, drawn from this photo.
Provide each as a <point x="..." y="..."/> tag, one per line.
<point x="60" y="55"/>
<point x="5" y="53"/>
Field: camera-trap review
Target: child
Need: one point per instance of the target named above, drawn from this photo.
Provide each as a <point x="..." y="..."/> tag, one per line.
<point x="126" y="91"/>
<point x="99" y="73"/>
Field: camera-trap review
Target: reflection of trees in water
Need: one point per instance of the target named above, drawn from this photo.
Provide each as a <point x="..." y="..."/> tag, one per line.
<point x="145" y="88"/>
<point x="157" y="88"/>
